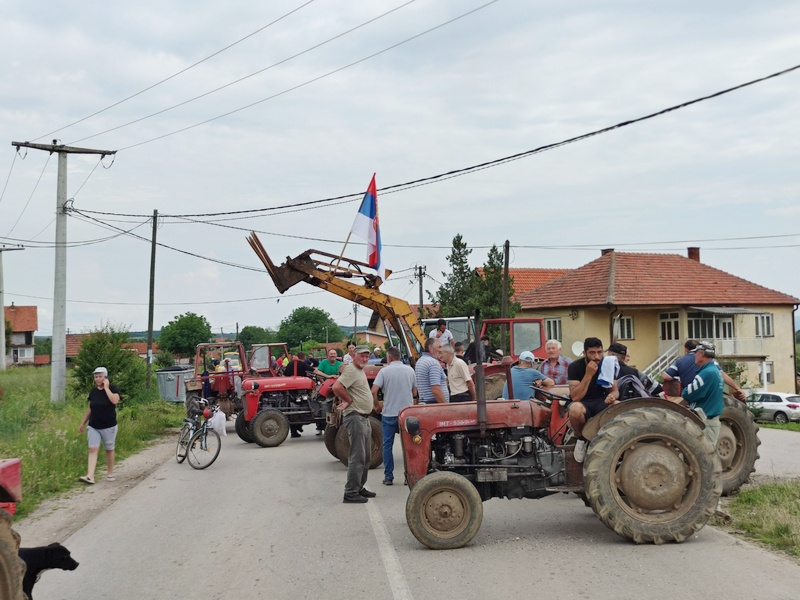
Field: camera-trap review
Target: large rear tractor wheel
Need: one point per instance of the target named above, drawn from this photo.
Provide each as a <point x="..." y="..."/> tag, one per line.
<point x="330" y="440"/>
<point x="12" y="569"/>
<point x="243" y="428"/>
<point x="737" y="445"/>
<point x="652" y="476"/>
<point x="343" y="444"/>
<point x="444" y="511"/>
<point x="269" y="428"/>
<point x="192" y="401"/>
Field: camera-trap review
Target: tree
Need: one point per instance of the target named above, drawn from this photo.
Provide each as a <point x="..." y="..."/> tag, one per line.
<point x="455" y="296"/>
<point x="183" y="333"/>
<point x="306" y="323"/>
<point x="103" y="348"/>
<point x="488" y="290"/>
<point x="44" y="345"/>
<point x="251" y="334"/>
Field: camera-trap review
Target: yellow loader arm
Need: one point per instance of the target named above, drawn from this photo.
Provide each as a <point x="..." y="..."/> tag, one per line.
<point x="331" y="273"/>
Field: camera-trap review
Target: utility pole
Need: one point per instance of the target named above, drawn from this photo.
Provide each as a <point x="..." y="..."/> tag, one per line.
<point x="420" y="275"/>
<point x="152" y="300"/>
<point x="4" y="248"/>
<point x="504" y="296"/>
<point x="355" y="323"/>
<point x="58" y="377"/>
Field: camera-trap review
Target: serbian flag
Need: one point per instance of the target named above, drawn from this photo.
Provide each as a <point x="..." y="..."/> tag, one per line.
<point x="366" y="227"/>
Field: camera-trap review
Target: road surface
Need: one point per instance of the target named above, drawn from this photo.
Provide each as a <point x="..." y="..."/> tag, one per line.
<point x="270" y="523"/>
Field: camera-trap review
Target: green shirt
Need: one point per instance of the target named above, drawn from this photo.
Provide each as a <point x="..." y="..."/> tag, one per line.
<point x="326" y="367"/>
<point x="355" y="382"/>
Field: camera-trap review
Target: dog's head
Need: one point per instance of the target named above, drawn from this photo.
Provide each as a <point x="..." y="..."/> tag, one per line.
<point x="60" y="558"/>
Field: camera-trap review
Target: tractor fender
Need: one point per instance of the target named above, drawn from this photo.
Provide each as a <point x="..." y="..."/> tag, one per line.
<point x="594" y="424"/>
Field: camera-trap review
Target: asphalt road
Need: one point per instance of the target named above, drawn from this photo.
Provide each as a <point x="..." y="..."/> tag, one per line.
<point x="269" y="523"/>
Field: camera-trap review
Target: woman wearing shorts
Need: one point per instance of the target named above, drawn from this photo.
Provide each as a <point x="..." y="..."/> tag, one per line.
<point x="101" y="417"/>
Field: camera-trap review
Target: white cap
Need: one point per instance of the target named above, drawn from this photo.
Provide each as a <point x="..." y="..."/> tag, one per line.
<point x="102" y="370"/>
<point x="527" y="356"/>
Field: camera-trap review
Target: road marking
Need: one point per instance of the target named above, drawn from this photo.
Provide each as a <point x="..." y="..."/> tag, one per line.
<point x="394" y="571"/>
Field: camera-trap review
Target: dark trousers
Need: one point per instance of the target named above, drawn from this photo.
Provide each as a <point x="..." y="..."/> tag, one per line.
<point x="462" y="397"/>
<point x="359" y="431"/>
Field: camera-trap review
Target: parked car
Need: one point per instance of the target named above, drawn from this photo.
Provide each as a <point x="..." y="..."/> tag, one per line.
<point x="775" y="406"/>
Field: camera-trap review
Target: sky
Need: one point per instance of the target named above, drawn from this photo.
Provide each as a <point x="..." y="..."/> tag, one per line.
<point x="332" y="92"/>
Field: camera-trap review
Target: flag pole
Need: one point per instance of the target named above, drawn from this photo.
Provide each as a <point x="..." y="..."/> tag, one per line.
<point x="341" y="254"/>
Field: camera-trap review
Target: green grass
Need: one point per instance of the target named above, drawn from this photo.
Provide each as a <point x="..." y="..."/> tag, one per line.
<point x="770" y="514"/>
<point x="45" y="436"/>
<point x="787" y="427"/>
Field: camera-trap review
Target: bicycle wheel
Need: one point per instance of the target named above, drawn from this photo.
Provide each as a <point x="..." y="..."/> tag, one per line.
<point x="183" y="442"/>
<point x="203" y="448"/>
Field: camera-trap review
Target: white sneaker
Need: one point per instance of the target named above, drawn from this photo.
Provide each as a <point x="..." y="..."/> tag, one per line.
<point x="579" y="453"/>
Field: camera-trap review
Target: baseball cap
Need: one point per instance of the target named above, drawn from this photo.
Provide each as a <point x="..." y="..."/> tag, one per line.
<point x="527" y="356"/>
<point x="709" y="349"/>
<point x="102" y="370"/>
<point x="618" y="348"/>
<point x="362" y="349"/>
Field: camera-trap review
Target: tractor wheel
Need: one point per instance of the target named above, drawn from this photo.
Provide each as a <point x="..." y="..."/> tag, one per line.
<point x="444" y="511"/>
<point x="12" y="569"/>
<point x="376" y="455"/>
<point x="737" y="445"/>
<point x="652" y="476"/>
<point x="192" y="401"/>
<point x="269" y="428"/>
<point x="330" y="440"/>
<point x="243" y="428"/>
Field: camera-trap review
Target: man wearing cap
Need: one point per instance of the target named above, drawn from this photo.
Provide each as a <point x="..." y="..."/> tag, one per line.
<point x="685" y="368"/>
<point x="524" y="378"/>
<point x="630" y="382"/>
<point x="459" y="381"/>
<point x="555" y="367"/>
<point x="101" y="417"/>
<point x="355" y="402"/>
<point x="705" y="390"/>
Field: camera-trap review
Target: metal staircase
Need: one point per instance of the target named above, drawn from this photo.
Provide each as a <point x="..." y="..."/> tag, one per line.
<point x="659" y="365"/>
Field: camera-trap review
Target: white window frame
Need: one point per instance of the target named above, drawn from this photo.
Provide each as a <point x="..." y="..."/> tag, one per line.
<point x="552" y="328"/>
<point x="25" y="352"/>
<point x="764" y="326"/>
<point x="769" y="367"/>
<point x="626" y="328"/>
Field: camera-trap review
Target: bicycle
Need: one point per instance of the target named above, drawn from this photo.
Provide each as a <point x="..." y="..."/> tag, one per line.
<point x="204" y="445"/>
<point x="190" y="426"/>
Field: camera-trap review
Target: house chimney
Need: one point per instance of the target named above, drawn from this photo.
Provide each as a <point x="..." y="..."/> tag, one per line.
<point x="694" y="253"/>
<point x="606" y="251"/>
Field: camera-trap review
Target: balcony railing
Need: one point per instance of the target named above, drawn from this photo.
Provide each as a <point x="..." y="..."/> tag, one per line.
<point x="734" y="347"/>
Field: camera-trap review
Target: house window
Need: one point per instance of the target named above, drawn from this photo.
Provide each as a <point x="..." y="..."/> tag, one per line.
<point x="626" y="328"/>
<point x="25" y="352"/>
<point x="552" y="328"/>
<point x="764" y="326"/>
<point x="768" y="370"/>
<point x="700" y="325"/>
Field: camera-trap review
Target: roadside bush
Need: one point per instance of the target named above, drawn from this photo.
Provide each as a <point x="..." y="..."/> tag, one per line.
<point x="103" y="348"/>
<point x="164" y="360"/>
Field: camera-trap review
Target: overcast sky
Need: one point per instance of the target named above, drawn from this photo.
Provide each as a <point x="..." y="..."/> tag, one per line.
<point x="510" y="77"/>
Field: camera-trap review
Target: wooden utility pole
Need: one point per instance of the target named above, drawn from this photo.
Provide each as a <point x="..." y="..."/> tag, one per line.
<point x="420" y="273"/>
<point x="504" y="296"/>
<point x="4" y="248"/>
<point x="58" y="377"/>
<point x="152" y="299"/>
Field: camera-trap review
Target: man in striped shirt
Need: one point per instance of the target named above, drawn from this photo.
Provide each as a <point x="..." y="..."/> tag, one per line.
<point x="431" y="380"/>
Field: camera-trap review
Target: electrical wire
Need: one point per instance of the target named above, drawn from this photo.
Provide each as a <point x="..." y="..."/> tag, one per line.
<point x="309" y="82"/>
<point x="139" y="93"/>
<point x="235" y="81"/>
<point x="8" y="177"/>
<point x="188" y="303"/>
<point x="24" y="208"/>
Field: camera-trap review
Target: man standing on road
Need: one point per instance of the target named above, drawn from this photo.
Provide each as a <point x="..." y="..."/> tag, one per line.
<point x="355" y="402"/>
<point x="462" y="389"/>
<point x="588" y="396"/>
<point x="399" y="390"/>
<point x="555" y="367"/>
<point x="442" y="333"/>
<point x="431" y="380"/>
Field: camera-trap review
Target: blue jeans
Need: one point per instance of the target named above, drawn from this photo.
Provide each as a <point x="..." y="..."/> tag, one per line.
<point x="390" y="429"/>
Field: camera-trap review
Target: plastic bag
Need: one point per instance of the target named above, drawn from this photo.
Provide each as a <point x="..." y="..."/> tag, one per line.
<point x="217" y="422"/>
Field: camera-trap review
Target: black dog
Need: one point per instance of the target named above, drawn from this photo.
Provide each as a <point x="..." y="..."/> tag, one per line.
<point x="54" y="556"/>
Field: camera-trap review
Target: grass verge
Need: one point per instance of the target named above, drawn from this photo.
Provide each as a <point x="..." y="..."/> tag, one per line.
<point x="45" y="436"/>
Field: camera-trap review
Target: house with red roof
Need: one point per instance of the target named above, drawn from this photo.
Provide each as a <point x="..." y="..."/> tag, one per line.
<point x="24" y="321"/>
<point x="653" y="303"/>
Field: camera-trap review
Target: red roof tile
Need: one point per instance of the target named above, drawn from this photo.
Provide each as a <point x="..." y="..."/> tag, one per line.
<point x="41" y="359"/>
<point x="22" y="318"/>
<point x="634" y="279"/>
<point x="140" y="347"/>
<point x="526" y="279"/>
<point x="74" y="343"/>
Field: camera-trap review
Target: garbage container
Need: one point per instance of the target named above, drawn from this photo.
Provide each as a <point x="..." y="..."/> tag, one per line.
<point x="171" y="383"/>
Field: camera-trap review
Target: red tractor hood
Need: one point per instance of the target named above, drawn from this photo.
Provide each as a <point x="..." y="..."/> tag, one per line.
<point x="278" y="384"/>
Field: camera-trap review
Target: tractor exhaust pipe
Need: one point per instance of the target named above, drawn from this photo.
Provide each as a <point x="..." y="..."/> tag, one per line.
<point x="480" y="385"/>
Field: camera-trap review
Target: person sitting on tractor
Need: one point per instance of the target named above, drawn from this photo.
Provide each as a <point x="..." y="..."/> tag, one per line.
<point x="329" y="368"/>
<point x="524" y="378"/>
<point x="297" y="368"/>
<point x="589" y="397"/>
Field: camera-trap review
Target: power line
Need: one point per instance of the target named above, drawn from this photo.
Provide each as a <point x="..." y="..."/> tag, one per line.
<point x="33" y="191"/>
<point x="228" y="47"/>
<point x="8" y="177"/>
<point x="189" y="303"/>
<point x="310" y="81"/>
<point x="235" y="81"/>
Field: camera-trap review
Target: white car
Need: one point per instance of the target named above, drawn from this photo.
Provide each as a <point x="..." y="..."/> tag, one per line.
<point x="776" y="406"/>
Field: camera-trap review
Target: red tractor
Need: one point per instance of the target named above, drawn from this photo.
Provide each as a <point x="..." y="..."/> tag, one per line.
<point x="12" y="569"/>
<point x="219" y="369"/>
<point x="650" y="473"/>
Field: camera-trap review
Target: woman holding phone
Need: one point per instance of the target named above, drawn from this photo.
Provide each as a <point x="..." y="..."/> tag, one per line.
<point x="101" y="417"/>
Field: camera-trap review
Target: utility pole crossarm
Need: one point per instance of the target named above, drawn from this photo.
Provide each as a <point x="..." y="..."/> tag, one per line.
<point x="61" y="148"/>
